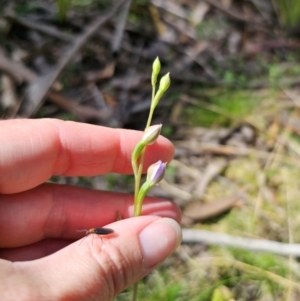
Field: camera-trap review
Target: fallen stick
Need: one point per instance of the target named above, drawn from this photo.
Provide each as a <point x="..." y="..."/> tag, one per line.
<point x="38" y="89"/>
<point x="120" y="26"/>
<point x="258" y="245"/>
<point x="199" y="148"/>
<point x="40" y="27"/>
<point x="21" y="73"/>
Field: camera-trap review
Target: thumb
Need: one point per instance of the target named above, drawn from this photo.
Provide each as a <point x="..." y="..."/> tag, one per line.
<point x="101" y="267"/>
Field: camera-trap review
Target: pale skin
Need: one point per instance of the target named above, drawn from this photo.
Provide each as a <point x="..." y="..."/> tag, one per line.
<point x="40" y="250"/>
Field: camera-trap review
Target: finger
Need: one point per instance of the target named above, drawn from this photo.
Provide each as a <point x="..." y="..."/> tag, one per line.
<point x="58" y="211"/>
<point x="101" y="270"/>
<point x="34" y="150"/>
<point x="34" y="251"/>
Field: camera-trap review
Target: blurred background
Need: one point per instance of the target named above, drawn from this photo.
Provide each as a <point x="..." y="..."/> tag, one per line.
<point x="232" y="112"/>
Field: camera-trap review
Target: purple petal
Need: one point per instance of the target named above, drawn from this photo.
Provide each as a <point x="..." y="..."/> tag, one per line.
<point x="156" y="172"/>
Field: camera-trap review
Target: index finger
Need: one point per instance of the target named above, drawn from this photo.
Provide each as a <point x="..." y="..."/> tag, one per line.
<point x="34" y="150"/>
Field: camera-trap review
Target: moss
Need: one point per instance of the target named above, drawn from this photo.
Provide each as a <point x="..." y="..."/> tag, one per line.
<point x="224" y="109"/>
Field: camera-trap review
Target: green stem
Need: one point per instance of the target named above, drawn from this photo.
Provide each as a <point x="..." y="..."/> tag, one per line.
<point x="140" y="197"/>
<point x="135" y="290"/>
<point x="150" y="117"/>
<point x="139" y="171"/>
<point x="137" y="181"/>
<point x="151" y="108"/>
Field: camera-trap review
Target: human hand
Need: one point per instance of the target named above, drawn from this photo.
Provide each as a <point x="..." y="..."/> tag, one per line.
<point x="41" y="259"/>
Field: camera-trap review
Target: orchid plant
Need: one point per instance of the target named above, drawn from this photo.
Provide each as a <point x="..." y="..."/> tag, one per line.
<point x="156" y="171"/>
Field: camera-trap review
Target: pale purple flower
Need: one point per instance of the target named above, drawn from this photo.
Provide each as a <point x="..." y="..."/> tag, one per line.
<point x="156" y="173"/>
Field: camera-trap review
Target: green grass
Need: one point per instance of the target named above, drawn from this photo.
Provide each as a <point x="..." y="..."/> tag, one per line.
<point x="288" y="12"/>
<point x="221" y="275"/>
<point x="270" y="211"/>
<point x="63" y="8"/>
<point x="226" y="108"/>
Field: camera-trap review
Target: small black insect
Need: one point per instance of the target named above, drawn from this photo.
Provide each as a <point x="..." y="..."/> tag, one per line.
<point x="97" y="231"/>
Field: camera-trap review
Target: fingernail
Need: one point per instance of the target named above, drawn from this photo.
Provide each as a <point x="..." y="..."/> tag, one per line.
<point x="158" y="240"/>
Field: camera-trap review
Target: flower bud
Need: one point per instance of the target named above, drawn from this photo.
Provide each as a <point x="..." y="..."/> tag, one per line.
<point x="149" y="137"/>
<point x="165" y="82"/>
<point x="155" y="71"/>
<point x="151" y="134"/>
<point x="163" y="87"/>
<point x="156" y="173"/>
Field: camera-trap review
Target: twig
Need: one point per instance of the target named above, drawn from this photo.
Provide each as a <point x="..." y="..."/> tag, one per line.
<point x="241" y="193"/>
<point x="121" y="21"/>
<point x="228" y="12"/>
<point x="212" y="170"/>
<point x="171" y="7"/>
<point x="260" y="245"/>
<point x="229" y="261"/>
<point x="251" y="84"/>
<point x="175" y="191"/>
<point x="40" y="27"/>
<point x="15" y="70"/>
<point x="235" y="15"/>
<point x="83" y="112"/>
<point x="196" y="147"/>
<point x="123" y="98"/>
<point x="261" y="8"/>
<point x="272" y="276"/>
<point x="10" y="100"/>
<point x="39" y="88"/>
<point x="20" y="73"/>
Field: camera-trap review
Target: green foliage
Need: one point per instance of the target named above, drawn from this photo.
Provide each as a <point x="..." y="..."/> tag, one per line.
<point x="215" y="278"/>
<point x="222" y="293"/>
<point x="264" y="261"/>
<point x="212" y="293"/>
<point x="82" y="2"/>
<point x="63" y="8"/>
<point x="277" y="72"/>
<point x="157" y="286"/>
<point x="288" y="12"/>
<point x="211" y="28"/>
<point x="24" y="8"/>
<point x="223" y="109"/>
<point x="167" y="130"/>
<point x="116" y="182"/>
